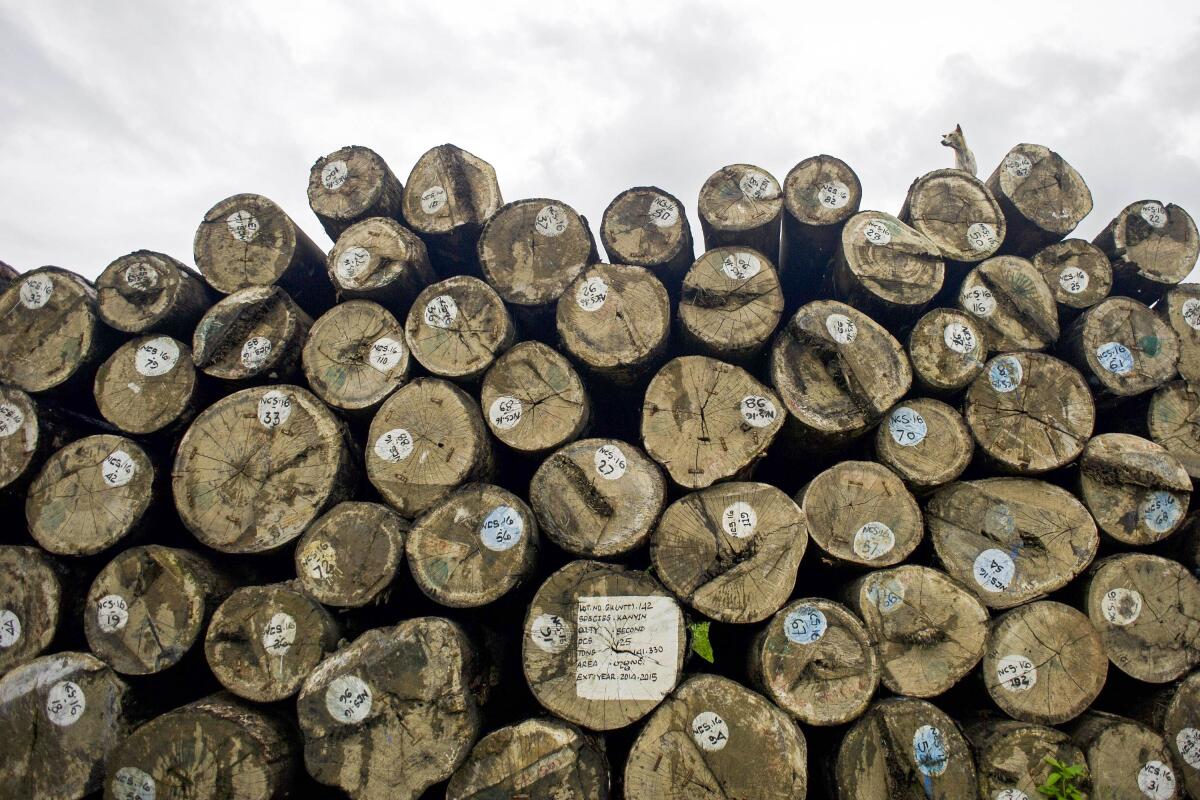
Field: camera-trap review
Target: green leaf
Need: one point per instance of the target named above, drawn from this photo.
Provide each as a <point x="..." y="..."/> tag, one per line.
<point x="1053" y="779"/>
<point x="701" y="645"/>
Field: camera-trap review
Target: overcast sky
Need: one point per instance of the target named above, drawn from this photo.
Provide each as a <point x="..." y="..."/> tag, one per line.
<point x="121" y="123"/>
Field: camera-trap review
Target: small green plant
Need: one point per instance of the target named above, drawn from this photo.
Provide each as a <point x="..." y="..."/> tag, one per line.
<point x="1060" y="785"/>
<point x="701" y="645"/>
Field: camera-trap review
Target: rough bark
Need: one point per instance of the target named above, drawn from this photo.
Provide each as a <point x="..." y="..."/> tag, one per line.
<point x="925" y="442"/>
<point x="1011" y="757"/>
<point x="350" y="556"/>
<point x="648" y="227"/>
<point x="1013" y="303"/>
<point x="947" y="350"/>
<point x="1173" y="421"/>
<point x="533" y="399"/>
<point x="1180" y="309"/>
<point x="255" y="334"/>
<point x="1152" y="247"/>
<point x="148" y="292"/>
<point x="730" y="304"/>
<point x="819" y="195"/>
<point x="1042" y="196"/>
<point x="355" y="357"/>
<point x="885" y="268"/>
<point x="1135" y="489"/>
<point x="36" y="600"/>
<point x="1077" y="272"/>
<point x="741" y="205"/>
<point x="379" y="259"/>
<point x="148" y="386"/>
<point x="1125" y="759"/>
<point x="1122" y="347"/>
<point x="957" y="212"/>
<point x="350" y="185"/>
<point x="457" y="328"/>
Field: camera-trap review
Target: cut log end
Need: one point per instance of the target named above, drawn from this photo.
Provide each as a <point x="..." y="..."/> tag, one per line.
<point x="1122" y="347"/>
<point x="1135" y="489"/>
<point x="253" y="334"/>
<point x="925" y="442"/>
<point x="1152" y="247"/>
<point x="379" y="259"/>
<point x="531" y="250"/>
<point x="957" y="212"/>
<point x="148" y="385"/>
<point x="457" y="328"/>
<point x="352" y="184"/>
<point x="1012" y="302"/>
<point x="741" y="204"/>
<point x="947" y="349"/>
<point x="1125" y="758"/>
<point x="1042" y="196"/>
<point x="647" y="227"/>
<point x="1076" y="271"/>
<point x="350" y="556"/>
<point x="33" y="591"/>
<point x="730" y="304"/>
<point x="534" y="400"/>
<point x="886" y="268"/>
<point x="1173" y="421"/>
<point x="449" y="195"/>
<point x="355" y="356"/>
<point x="147" y="291"/>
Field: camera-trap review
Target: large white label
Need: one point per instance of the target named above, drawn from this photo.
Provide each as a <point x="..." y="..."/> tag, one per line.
<point x="1154" y="214"/>
<point x="441" y="311"/>
<point x="386" y="354"/>
<point x="433" y="199"/>
<point x="626" y="647"/>
<point x="118" y="468"/>
<point x="873" y="540"/>
<point x="141" y="276"/>
<point x="1187" y="742"/>
<point x="740" y="266"/>
<point x="1115" y="357"/>
<point x="256" y="351"/>
<point x="877" y="232"/>
<point x="1161" y="511"/>
<point x="334" y="175"/>
<point x="36" y="290"/>
<point x="833" y="194"/>
<point x="841" y="328"/>
<point x="280" y="634"/>
<point x="610" y="461"/>
<point x="757" y="185"/>
<point x="960" y="338"/>
<point x="505" y="412"/>
<point x="394" y="446"/>
<point x="709" y="731"/>
<point x="352" y="264"/>
<point x="156" y="357"/>
<point x="348" y="699"/>
<point x="993" y="570"/>
<point x="980" y="301"/>
<point x="112" y="613"/>
<point x="501" y="529"/>
<point x="887" y="597"/>
<point x="243" y="225"/>
<point x="757" y="410"/>
<point x="591" y="294"/>
<point x="1156" y="780"/>
<point x="907" y="427"/>
<point x="1005" y="374"/>
<point x="11" y="420"/>
<point x="663" y="212"/>
<point x="10" y="628"/>
<point x="929" y="750"/>
<point x="981" y="236"/>
<point x="130" y="783"/>
<point x="319" y="559"/>
<point x="805" y="625"/>
<point x="65" y="703"/>
<point x="1121" y="606"/>
<point x="1073" y="280"/>
<point x="739" y="519"/>
<point x="274" y="408"/>
<point x="1016" y="673"/>
<point x="550" y="633"/>
<point x="551" y="221"/>
<point x="1018" y="165"/>
<point x="1011" y="794"/>
<point x="1191" y="313"/>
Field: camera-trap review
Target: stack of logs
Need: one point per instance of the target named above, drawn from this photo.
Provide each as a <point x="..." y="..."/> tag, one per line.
<point x="853" y="504"/>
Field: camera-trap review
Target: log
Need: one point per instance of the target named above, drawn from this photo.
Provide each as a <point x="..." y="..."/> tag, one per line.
<point x="216" y="747"/>
<point x="1125" y="758"/>
<point x="1011" y="540"/>
<point x="148" y="386"/>
<point x="741" y="205"/>
<point x="264" y="640"/>
<point x="1012" y="757"/>
<point x="63" y="715"/>
<point x="542" y="757"/>
<point x="473" y="547"/>
<point x="1042" y="196"/>
<point x="534" y="399"/>
<point x="947" y="350"/>
<point x="958" y="213"/>
<point x="258" y="466"/>
<point x="254" y="334"/>
<point x="1029" y="413"/>
<point x="819" y="195"/>
<point x="449" y="195"/>
<point x="704" y="420"/>
<point x="1176" y="715"/>
<point x="355" y="356"/>
<point x="1152" y="247"/>
<point x="8" y="274"/>
<point x="148" y="292"/>
<point x="457" y="327"/>
<point x="426" y="439"/>
<point x="859" y="513"/>
<point x="905" y="748"/>
<point x="530" y="251"/>
<point x="1044" y="663"/>
<point x="1077" y="272"/>
<point x="379" y="259"/>
<point x="90" y="495"/>
<point x="1012" y="302"/>
<point x="603" y="646"/>
<point x="1173" y="421"/>
<point x="816" y="661"/>
<point x="648" y="227"/>
<point x="731" y="551"/>
<point x="350" y="556"/>
<point x="51" y="336"/>
<point x="352" y="184"/>
<point x="29" y="434"/>
<point x="925" y="442"/>
<point x="730" y="305"/>
<point x="1135" y="489"/>
<point x="886" y="269"/>
<point x="1180" y="309"/>
<point x="36" y="594"/>
<point x="929" y="630"/>
<point x="837" y="372"/>
<point x="702" y="740"/>
<point x="1122" y="347"/>
<point x="1147" y="610"/>
<point x="614" y="321"/>
<point x="598" y="498"/>
<point x="394" y="712"/>
<point x="148" y="607"/>
<point x="247" y="240"/>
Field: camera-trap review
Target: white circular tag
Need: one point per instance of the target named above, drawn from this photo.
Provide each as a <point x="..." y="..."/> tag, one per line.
<point x="740" y="266"/>
<point x="960" y="338"/>
<point x="118" y="468"/>
<point x="141" y="276"/>
<point x="501" y="529"/>
<point x="1011" y="794"/>
<point x="610" y="461"/>
<point x="433" y="199"/>
<point x="757" y="185"/>
<point x="36" y="290"/>
<point x="1115" y="357"/>
<point x="334" y="174"/>
<point x="993" y="570"/>
<point x="112" y="613"/>
<point x="757" y="410"/>
<point x="1016" y="673"/>
<point x="65" y="703"/>
<point x="663" y="212"/>
<point x="550" y="633"/>
<point x="352" y="264"/>
<point x="1156" y="780"/>
<point x="591" y="294"/>
<point x="929" y="750"/>
<point x="256" y="351"/>
<point x="1073" y="280"/>
<point x="888" y="597"/>
<point x="877" y="232"/>
<point x="505" y="412"/>
<point x="348" y="699"/>
<point x="280" y="634"/>
<point x="243" y="225"/>
<point x="907" y="427"/>
<point x="873" y="540"/>
<point x="551" y="221"/>
<point x="1187" y="742"/>
<point x="1121" y="606"/>
<point x="11" y="420"/>
<point x="441" y="311"/>
<point x="833" y="194"/>
<point x="130" y="783"/>
<point x="739" y="519"/>
<point x="385" y="354"/>
<point x="805" y="625"/>
<point x="980" y="301"/>
<point x="982" y="236"/>
<point x="710" y="731"/>
<point x="1161" y="511"/>
<point x="10" y="628"/>
<point x="841" y="328"/>
<point x="1191" y="313"/>
<point x="1154" y="214"/>
<point x="1018" y="165"/>
<point x="1005" y="374"/>
<point x="274" y="408"/>
<point x="156" y="357"/>
<point x="394" y="446"/>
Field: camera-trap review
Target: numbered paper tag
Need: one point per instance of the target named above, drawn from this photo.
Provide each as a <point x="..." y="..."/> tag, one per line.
<point x="334" y="175"/>
<point x="1187" y="742"/>
<point x="757" y="410"/>
<point x="386" y="354"/>
<point x="441" y="311"/>
<point x="591" y="294"/>
<point x="960" y="338"/>
<point x="981" y="236"/>
<point x="65" y="703"/>
<point x="757" y="185"/>
<point x="1016" y="673"/>
<point x="1156" y="780"/>
<point x="394" y="446"/>
<point x="1073" y="280"/>
<point x="1191" y="313"/>
<point x="551" y="221"/>
<point x="11" y="420"/>
<point x="739" y="520"/>
<point x="348" y="699"/>
<point x="888" y="597"/>
<point x="1154" y="214"/>
<point x="1011" y="794"/>
<point x="156" y="357"/>
<point x="980" y="301"/>
<point x="1005" y="374"/>
<point x="929" y="750"/>
<point x="1018" y="165"/>
<point x="833" y="194"/>
<point x="993" y="570"/>
<point x="1115" y="357"/>
<point x="243" y="225"/>
<point x="805" y="625"/>
<point x="256" y="351"/>
<point x="130" y="783"/>
<point x="280" y="634"/>
<point x="505" y="412"/>
<point x="112" y="613"/>
<point x="907" y="427"/>
<point x="274" y="408"/>
<point x="841" y="328"/>
<point x="118" y="468"/>
<point x="710" y="731"/>
<point x="501" y="529"/>
<point x="551" y="633"/>
<point x="663" y="212"/>
<point x="877" y="232"/>
<point x="626" y="647"/>
<point x="10" y="628"/>
<point x="36" y="290"/>
<point x="1161" y="511"/>
<point x="741" y="265"/>
<point x="319" y="559"/>
<point x="141" y="276"/>
<point x="873" y="540"/>
<point x="610" y="461"/>
<point x="352" y="264"/>
<point x="433" y="199"/>
<point x="1121" y="606"/>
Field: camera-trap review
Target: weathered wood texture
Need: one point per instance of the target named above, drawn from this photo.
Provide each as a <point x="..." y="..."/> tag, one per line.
<point x="457" y="327"/>
<point x="886" y="269"/>
<point x="957" y="212"/>
<point x="148" y="385"/>
<point x="741" y="204"/>
<point x="355" y="356"/>
<point x="351" y="554"/>
<point x="352" y="184"/>
<point x="1011" y="757"/>
<point x="947" y="350"/>
<point x="1125" y="758"/>
<point x="254" y="334"/>
<point x="1152" y="247"/>
<point x="1173" y="421"/>
<point x="146" y="292"/>
<point x="1012" y="302"/>
<point x="1122" y="347"/>
<point x="379" y="259"/>
<point x="1042" y="196"/>
<point x="925" y="442"/>
<point x="1077" y="272"/>
<point x="1135" y="489"/>
<point x="819" y="195"/>
<point x="730" y="304"/>
<point x="37" y="597"/>
<point x="1180" y="309"/>
<point x="29" y="434"/>
<point x="534" y="400"/>
<point x="647" y="227"/>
